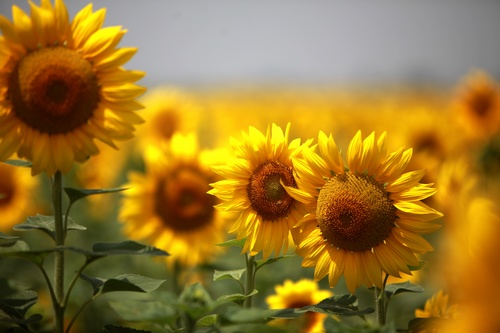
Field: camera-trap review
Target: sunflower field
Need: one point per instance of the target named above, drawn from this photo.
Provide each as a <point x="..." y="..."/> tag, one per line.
<point x="133" y="206"/>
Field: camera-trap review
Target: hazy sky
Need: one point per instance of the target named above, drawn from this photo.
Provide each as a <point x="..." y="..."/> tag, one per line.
<point x="306" y="41"/>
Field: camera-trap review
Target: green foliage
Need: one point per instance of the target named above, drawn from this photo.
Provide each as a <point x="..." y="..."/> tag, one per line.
<point x="77" y="194"/>
<point x="342" y="305"/>
<point x="431" y="324"/>
<point x="233" y="242"/>
<point x="125" y="282"/>
<point x="120" y="329"/>
<point x="13" y="309"/>
<point x="229" y="275"/>
<point x="19" y="163"/>
<point x="397" y="288"/>
<point x="260" y="263"/>
<point x="46" y="224"/>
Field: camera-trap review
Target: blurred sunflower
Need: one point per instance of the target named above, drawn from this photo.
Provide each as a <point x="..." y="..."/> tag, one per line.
<point x="476" y="105"/>
<point x="364" y="220"/>
<point x="167" y="111"/>
<point x="16" y="200"/>
<point x="253" y="187"/>
<point x="296" y="295"/>
<point x="437" y="306"/>
<point x="169" y="207"/>
<point x="62" y="86"/>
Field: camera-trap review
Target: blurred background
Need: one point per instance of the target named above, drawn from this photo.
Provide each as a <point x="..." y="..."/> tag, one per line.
<point x="216" y="67"/>
<point x="304" y="42"/>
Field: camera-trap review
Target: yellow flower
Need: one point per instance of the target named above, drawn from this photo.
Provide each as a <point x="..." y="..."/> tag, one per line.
<point x="253" y="188"/>
<point x="167" y="110"/>
<point x="476" y="105"/>
<point x="168" y="205"/>
<point x="16" y="195"/>
<point x="437" y="306"/>
<point x="62" y="86"/>
<point x="364" y="220"/>
<point x="296" y="295"/>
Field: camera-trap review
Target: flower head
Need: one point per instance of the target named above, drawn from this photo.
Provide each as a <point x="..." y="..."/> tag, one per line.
<point x="437" y="306"/>
<point x="362" y="220"/>
<point x="16" y="199"/>
<point x="299" y="294"/>
<point x="168" y="205"/>
<point x="62" y="86"/>
<point x="253" y="187"/>
<point x="477" y="105"/>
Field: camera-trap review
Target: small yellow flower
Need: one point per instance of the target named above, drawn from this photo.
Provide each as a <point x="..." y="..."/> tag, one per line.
<point x="62" y="86"/>
<point x="253" y="188"/>
<point x="363" y="220"/>
<point x="296" y="295"/>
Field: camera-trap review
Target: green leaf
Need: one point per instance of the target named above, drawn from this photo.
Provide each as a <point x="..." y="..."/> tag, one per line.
<point x="260" y="263"/>
<point x="242" y="315"/>
<point x="46" y="224"/>
<point x="126" y="247"/>
<point x="209" y="320"/>
<point x="420" y="265"/>
<point x="77" y="194"/>
<point x="4" y="236"/>
<point x="13" y="308"/>
<point x="251" y="328"/>
<point x="236" y="297"/>
<point x="120" y="329"/>
<point x="95" y="282"/>
<point x="195" y="301"/>
<point x="233" y="242"/>
<point x="125" y="282"/>
<point x="19" y="163"/>
<point x="156" y="311"/>
<point x="396" y="288"/>
<point x="342" y="305"/>
<point x="431" y="324"/>
<point x="229" y="275"/>
<point x="131" y="282"/>
<point x="13" y="246"/>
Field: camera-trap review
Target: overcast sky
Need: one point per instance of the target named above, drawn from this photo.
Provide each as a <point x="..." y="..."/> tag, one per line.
<point x="308" y="41"/>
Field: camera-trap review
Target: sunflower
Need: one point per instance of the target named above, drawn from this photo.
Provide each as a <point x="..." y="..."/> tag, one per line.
<point x="167" y="110"/>
<point x="437" y="306"/>
<point x="296" y="295"/>
<point x="16" y="201"/>
<point x="62" y="86"/>
<point x="363" y="220"/>
<point x="476" y="105"/>
<point x="253" y="187"/>
<point x="168" y="205"/>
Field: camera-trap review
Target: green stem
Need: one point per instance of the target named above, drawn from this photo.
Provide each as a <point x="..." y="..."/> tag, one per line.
<point x="380" y="302"/>
<point x="59" y="255"/>
<point x="80" y="310"/>
<point x="72" y="284"/>
<point x="250" y="282"/>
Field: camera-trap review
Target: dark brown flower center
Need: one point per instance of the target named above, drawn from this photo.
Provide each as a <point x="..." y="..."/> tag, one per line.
<point x="166" y="122"/>
<point x="54" y="90"/>
<point x="482" y="103"/>
<point x="354" y="212"/>
<point x="182" y="201"/>
<point x="267" y="197"/>
<point x="6" y="192"/>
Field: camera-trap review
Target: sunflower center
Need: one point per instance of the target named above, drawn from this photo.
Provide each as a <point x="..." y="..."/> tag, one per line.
<point x="54" y="90"/>
<point x="267" y="197"/>
<point x="481" y="104"/>
<point x="6" y="193"/>
<point x="354" y="212"/>
<point x="182" y="201"/>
